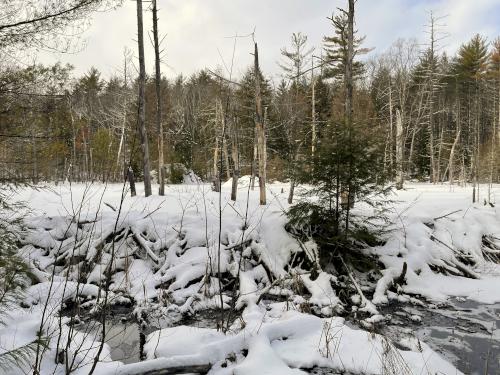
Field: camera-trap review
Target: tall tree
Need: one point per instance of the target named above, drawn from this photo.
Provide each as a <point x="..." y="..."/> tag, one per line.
<point x="296" y="60"/>
<point x="159" y="124"/>
<point x="141" y="103"/>
<point x="260" y="130"/>
<point x="470" y="68"/>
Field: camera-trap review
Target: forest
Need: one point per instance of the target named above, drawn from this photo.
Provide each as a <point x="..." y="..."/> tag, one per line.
<point x="432" y="117"/>
<point x="225" y="223"/>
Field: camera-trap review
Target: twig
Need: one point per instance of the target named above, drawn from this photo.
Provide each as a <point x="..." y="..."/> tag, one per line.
<point x="451" y="213"/>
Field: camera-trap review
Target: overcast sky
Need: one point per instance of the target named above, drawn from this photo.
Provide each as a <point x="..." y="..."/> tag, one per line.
<point x="198" y="31"/>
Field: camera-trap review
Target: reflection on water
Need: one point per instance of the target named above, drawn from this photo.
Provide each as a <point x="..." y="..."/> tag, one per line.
<point x="123" y="338"/>
<point x="465" y="332"/>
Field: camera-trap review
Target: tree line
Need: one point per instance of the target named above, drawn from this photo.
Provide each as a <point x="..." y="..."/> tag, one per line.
<point x="427" y="115"/>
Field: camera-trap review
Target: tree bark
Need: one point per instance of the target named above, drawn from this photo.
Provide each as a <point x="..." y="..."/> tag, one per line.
<point x="236" y="159"/>
<point x="431" y="104"/>
<point x="159" y="124"/>
<point x="399" y="150"/>
<point x="254" y="163"/>
<point x="226" y="158"/>
<point x="347" y="193"/>
<point x="131" y="180"/>
<point x="313" y="111"/>
<point x="141" y="103"/>
<point x="260" y="130"/>
<point x="216" y="179"/>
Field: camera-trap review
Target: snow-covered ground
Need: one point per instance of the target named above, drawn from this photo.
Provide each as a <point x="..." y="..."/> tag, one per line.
<point x="166" y="257"/>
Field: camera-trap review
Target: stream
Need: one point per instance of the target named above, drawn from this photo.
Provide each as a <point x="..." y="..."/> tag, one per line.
<point x="122" y="336"/>
<point x="464" y="332"/>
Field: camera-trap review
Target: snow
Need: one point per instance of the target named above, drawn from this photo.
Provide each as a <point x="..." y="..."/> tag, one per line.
<point x="457" y="234"/>
<point x="287" y="343"/>
<point x="168" y="246"/>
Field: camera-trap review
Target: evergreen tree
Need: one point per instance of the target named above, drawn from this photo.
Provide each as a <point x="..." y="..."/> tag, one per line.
<point x="347" y="164"/>
<point x="336" y="49"/>
<point x="14" y="278"/>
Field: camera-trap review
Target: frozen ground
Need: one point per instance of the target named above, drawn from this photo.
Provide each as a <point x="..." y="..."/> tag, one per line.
<point x="167" y="263"/>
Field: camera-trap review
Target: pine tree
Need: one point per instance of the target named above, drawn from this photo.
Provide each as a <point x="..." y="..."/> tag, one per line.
<point x="14" y="278"/>
<point x="336" y="49"/>
<point x="347" y="163"/>
<point x="470" y="69"/>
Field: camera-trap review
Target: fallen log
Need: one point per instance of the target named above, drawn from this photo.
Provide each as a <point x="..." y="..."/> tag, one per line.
<point x="164" y="366"/>
<point x="142" y="243"/>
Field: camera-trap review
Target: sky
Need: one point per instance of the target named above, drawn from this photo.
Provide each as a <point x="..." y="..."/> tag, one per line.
<point x="198" y="33"/>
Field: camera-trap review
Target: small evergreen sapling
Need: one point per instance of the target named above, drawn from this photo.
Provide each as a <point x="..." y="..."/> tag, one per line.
<point x="352" y="162"/>
<point x="14" y="278"/>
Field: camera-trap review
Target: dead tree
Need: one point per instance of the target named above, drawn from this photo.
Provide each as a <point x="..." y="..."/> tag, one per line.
<point x="235" y="156"/>
<point x="260" y="130"/>
<point x="451" y="168"/>
<point x="399" y="150"/>
<point x="159" y="124"/>
<point x="314" y="132"/>
<point x="141" y="103"/>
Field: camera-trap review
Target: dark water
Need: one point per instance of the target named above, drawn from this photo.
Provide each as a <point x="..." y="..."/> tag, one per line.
<point x="464" y="332"/>
<point x="123" y="333"/>
<point x="122" y="336"/>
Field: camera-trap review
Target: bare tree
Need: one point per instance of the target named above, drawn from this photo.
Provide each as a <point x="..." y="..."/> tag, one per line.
<point x="399" y="149"/>
<point x="159" y="124"/>
<point x="296" y="61"/>
<point x="141" y="103"/>
<point x="235" y="156"/>
<point x="260" y="130"/>
<point x="41" y="23"/>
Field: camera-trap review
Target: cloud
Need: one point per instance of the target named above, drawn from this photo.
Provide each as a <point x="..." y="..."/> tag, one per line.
<point x="199" y="31"/>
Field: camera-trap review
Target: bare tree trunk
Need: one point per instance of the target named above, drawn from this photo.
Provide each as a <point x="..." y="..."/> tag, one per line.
<point x="141" y="104"/>
<point x="226" y="158"/>
<point x="236" y="159"/>
<point x="452" y="156"/>
<point x="216" y="179"/>
<point x="85" y="152"/>
<point x="293" y="183"/>
<point x="440" y="149"/>
<point x="399" y="150"/>
<point x="131" y="181"/>
<point x="260" y="130"/>
<point x="493" y="145"/>
<point x="159" y="124"/>
<point x="410" y="154"/>
<point x="254" y="162"/>
<point x="451" y="161"/>
<point x="391" y="132"/>
<point x="347" y="193"/>
<point x="34" y="178"/>
<point x="463" y="173"/>
<point x="73" y="141"/>
<point x="431" y="103"/>
<point x="291" y="192"/>
<point x="313" y="111"/>
<point x="478" y="144"/>
<point x="124" y="118"/>
<point x="91" y="164"/>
